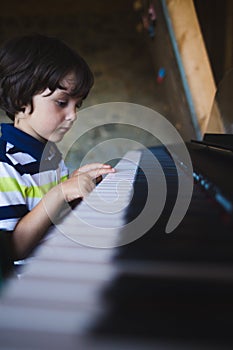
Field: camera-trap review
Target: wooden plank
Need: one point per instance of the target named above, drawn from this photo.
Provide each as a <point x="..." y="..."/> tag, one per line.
<point x="195" y="62"/>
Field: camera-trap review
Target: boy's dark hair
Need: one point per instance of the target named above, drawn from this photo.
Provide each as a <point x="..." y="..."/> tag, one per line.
<point x="31" y="64"/>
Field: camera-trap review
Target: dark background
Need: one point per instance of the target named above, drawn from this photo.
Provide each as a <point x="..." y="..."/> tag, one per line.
<point x="124" y="59"/>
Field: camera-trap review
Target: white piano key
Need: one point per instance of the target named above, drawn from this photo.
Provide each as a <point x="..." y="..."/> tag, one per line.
<point x="75" y="254"/>
<point x="72" y="271"/>
<point x="45" y="320"/>
<point x="53" y="292"/>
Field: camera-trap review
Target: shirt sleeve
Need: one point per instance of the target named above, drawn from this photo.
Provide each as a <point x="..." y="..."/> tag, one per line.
<point x="13" y="204"/>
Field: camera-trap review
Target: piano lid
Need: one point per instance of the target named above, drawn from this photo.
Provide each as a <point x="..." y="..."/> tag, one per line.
<point x="221" y="141"/>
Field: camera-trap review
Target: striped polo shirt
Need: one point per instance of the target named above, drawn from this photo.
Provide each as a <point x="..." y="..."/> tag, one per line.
<point x="28" y="169"/>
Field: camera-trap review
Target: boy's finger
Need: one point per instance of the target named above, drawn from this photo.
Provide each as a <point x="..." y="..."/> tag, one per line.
<point x="87" y="168"/>
<point x="99" y="172"/>
<point x="92" y="166"/>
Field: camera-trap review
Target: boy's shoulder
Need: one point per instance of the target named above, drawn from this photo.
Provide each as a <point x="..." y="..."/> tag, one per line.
<point x="16" y="152"/>
<point x="14" y="158"/>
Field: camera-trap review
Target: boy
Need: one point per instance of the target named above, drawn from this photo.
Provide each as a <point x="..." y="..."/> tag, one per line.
<point x="42" y="83"/>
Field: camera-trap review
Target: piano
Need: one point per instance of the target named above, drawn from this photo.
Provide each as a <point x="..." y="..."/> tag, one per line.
<point x="157" y="290"/>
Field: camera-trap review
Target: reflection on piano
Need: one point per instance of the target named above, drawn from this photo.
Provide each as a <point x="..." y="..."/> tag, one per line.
<point x="165" y="291"/>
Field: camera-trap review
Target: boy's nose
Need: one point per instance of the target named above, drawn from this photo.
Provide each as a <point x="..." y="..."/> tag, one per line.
<point x="72" y="115"/>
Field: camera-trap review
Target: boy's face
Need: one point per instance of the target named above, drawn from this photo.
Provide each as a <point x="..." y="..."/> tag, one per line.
<point x="53" y="115"/>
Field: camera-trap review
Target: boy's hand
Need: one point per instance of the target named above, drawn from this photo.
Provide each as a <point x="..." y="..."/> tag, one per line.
<point x="92" y="166"/>
<point x="83" y="180"/>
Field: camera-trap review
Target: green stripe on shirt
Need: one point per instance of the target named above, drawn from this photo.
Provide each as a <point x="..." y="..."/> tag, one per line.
<point x="9" y="184"/>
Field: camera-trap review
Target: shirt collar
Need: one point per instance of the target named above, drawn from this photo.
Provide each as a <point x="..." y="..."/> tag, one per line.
<point x="29" y="144"/>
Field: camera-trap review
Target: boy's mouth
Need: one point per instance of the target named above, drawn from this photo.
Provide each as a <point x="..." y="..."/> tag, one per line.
<point x="63" y="129"/>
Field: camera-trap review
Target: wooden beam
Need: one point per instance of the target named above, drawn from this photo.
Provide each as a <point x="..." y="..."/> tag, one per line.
<point x="195" y="62"/>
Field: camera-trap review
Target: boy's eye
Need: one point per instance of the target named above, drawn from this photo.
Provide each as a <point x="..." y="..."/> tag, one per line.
<point x="61" y="103"/>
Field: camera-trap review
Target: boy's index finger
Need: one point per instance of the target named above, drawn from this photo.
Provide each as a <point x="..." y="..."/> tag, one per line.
<point x="102" y="171"/>
<point x="92" y="166"/>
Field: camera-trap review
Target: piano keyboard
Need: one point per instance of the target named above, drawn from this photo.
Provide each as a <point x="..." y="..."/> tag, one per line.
<point x="100" y="216"/>
<point x="161" y="291"/>
<point x="57" y="298"/>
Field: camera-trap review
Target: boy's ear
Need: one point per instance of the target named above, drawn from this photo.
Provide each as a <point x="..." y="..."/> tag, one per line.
<point x="26" y="110"/>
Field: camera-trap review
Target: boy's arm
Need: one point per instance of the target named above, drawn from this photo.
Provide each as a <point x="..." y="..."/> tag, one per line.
<point x="33" y="226"/>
